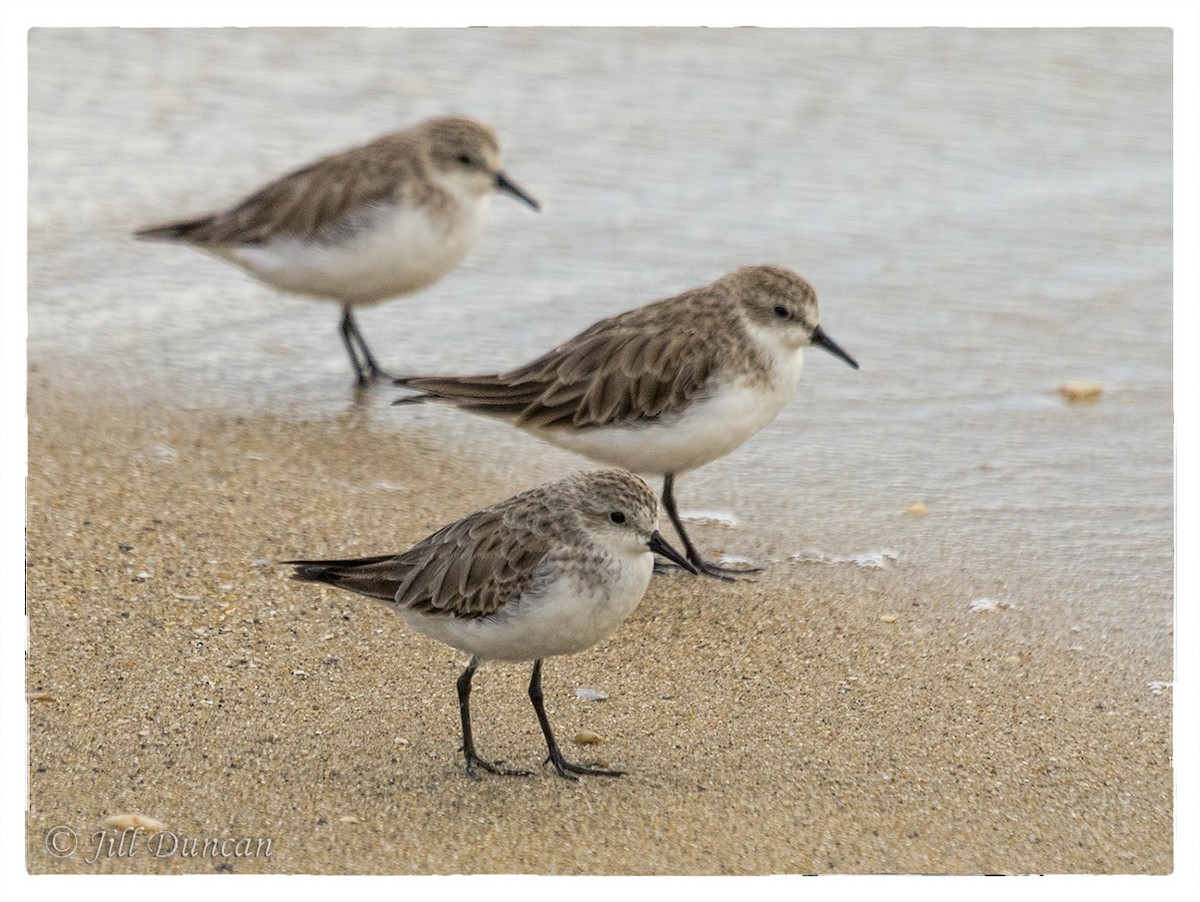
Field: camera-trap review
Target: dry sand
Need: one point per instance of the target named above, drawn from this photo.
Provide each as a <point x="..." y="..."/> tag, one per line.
<point x="815" y="719"/>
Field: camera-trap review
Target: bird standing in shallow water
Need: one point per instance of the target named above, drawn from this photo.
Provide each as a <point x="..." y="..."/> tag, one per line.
<point x="662" y="389"/>
<point x="365" y="225"/>
<point x="551" y="571"/>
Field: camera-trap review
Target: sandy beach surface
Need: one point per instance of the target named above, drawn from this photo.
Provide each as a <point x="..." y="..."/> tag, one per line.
<point x="805" y="721"/>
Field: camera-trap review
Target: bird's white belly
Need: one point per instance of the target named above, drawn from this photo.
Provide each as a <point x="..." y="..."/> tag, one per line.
<point x="396" y="251"/>
<point x="707" y="430"/>
<point x="571" y="614"/>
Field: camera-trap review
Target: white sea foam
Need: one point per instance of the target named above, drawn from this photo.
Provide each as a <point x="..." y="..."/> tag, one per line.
<point x="713" y="518"/>
<point x="868" y="560"/>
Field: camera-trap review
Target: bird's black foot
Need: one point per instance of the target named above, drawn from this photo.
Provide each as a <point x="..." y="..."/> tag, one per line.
<point x="567" y="769"/>
<point x="716" y="571"/>
<point x="371" y="373"/>
<point x="378" y="374"/>
<point x="726" y="574"/>
<point x="366" y="370"/>
<point x="493" y="767"/>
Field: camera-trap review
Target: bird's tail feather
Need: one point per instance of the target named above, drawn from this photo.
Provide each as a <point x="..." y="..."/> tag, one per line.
<point x="375" y="577"/>
<point x="173" y="231"/>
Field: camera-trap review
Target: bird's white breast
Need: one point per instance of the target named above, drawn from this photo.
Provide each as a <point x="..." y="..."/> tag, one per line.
<point x="385" y="252"/>
<point x="571" y="612"/>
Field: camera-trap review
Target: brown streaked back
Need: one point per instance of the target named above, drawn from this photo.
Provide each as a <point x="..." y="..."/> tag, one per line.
<point x="313" y="202"/>
<point x="632" y="368"/>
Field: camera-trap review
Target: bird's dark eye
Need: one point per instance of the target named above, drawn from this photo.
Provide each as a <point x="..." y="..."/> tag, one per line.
<point x="464" y="159"/>
<point x="617" y="517"/>
<point x="782" y="312"/>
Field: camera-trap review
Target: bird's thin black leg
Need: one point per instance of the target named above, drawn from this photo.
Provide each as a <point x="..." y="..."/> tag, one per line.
<point x="468" y="747"/>
<point x="349" y="330"/>
<point x="708" y="569"/>
<point x="564" y="767"/>
<point x="369" y="369"/>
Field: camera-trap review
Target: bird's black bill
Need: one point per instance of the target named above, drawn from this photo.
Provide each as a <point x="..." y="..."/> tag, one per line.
<point x="659" y="545"/>
<point x="820" y="338"/>
<point x="510" y="187"/>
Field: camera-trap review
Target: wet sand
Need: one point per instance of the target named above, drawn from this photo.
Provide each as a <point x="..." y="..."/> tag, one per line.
<point x="816" y="719"/>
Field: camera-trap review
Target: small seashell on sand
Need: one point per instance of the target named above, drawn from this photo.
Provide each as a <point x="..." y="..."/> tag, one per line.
<point x="133" y="822"/>
<point x="1081" y="392"/>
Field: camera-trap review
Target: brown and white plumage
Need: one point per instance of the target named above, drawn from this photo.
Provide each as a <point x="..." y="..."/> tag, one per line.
<point x="548" y="572"/>
<point x="632" y="368"/>
<point x="364" y="225"/>
<point x="662" y="389"/>
<point x="468" y="569"/>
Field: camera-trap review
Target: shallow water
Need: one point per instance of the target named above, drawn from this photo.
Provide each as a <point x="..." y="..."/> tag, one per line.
<point x="985" y="215"/>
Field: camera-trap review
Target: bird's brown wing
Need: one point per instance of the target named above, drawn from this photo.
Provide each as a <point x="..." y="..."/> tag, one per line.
<point x="305" y="203"/>
<point x="468" y="569"/>
<point x="632" y="368"/>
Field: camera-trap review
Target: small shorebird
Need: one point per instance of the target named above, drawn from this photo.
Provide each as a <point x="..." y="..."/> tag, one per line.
<point x="662" y="389"/>
<point x="365" y="225"/>
<point x="551" y="571"/>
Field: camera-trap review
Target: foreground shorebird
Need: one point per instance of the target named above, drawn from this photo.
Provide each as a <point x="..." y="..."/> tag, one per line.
<point x="551" y="571"/>
<point x="663" y="389"/>
<point x="362" y="226"/>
